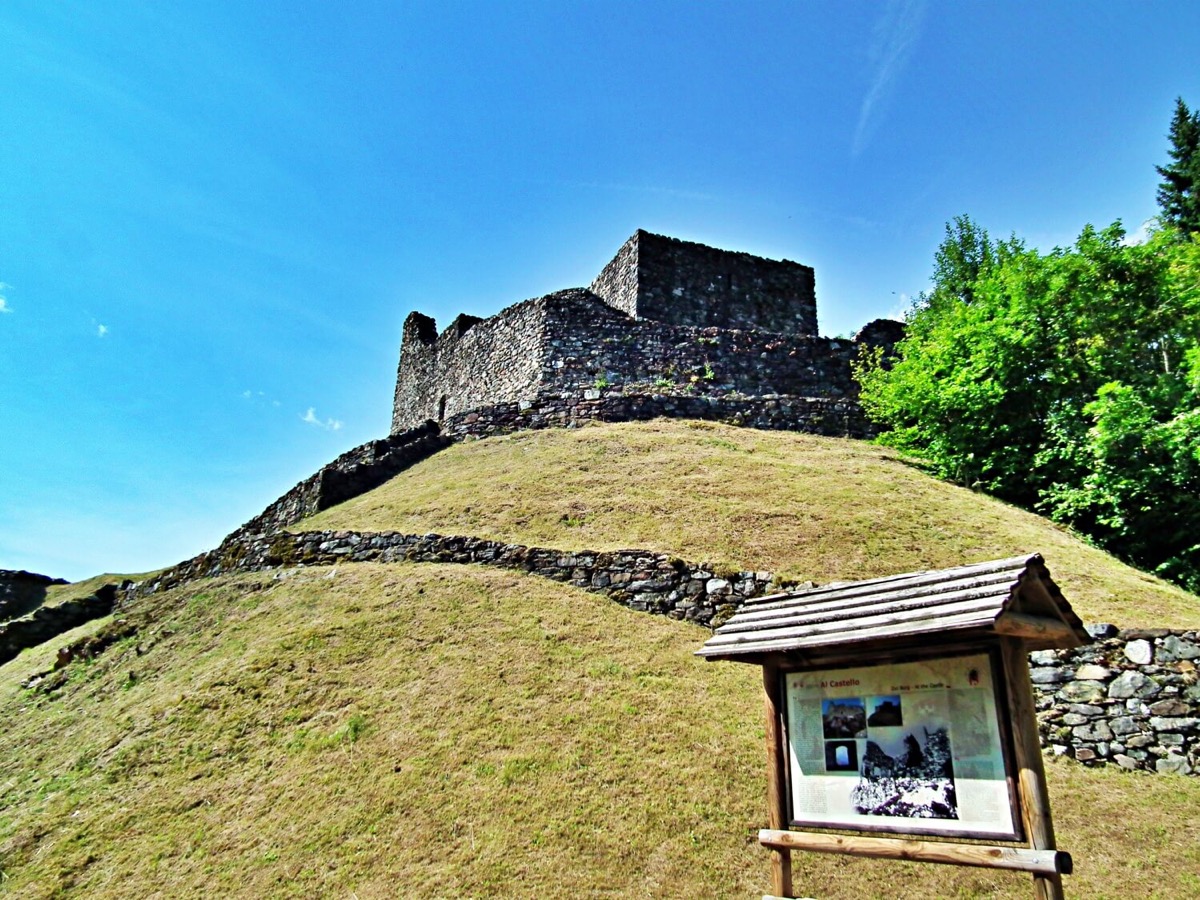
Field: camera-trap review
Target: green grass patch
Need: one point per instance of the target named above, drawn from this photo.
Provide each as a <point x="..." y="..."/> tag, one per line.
<point x="459" y="731"/>
<point x="807" y="507"/>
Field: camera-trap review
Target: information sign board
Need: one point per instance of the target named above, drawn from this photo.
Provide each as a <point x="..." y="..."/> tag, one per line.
<point x="915" y="747"/>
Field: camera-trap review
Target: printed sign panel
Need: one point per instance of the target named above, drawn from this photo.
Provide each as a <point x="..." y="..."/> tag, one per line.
<point x="912" y="747"/>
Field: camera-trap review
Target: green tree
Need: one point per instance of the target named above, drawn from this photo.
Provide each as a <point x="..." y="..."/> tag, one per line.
<point x="1067" y="381"/>
<point x="1179" y="191"/>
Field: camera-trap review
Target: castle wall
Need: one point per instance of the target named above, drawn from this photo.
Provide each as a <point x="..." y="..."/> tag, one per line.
<point x="571" y="343"/>
<point x="830" y="416"/>
<point x="472" y="363"/>
<point x="684" y="283"/>
<point x="593" y="350"/>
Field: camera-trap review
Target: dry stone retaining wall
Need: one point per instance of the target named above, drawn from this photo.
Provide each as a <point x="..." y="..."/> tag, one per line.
<point x="836" y="417"/>
<point x="640" y="579"/>
<point x="1131" y="698"/>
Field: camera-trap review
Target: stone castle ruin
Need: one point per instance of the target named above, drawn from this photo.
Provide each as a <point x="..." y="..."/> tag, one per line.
<point x="669" y="327"/>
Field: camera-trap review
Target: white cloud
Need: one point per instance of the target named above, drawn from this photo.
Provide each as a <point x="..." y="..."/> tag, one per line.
<point x="1141" y="235"/>
<point x="101" y="330"/>
<point x="895" y="34"/>
<point x="903" y="305"/>
<point x="311" y="418"/>
<point x="247" y="394"/>
<point x="4" y="307"/>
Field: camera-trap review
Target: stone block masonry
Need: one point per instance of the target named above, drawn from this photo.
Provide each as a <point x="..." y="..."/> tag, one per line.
<point x="684" y="283"/>
<point x="1132" y="698"/>
<point x="664" y="317"/>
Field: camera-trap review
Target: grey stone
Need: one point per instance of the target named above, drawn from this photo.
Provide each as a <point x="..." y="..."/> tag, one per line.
<point x="1170" y="707"/>
<point x="1091" y="672"/>
<point x="1173" y="648"/>
<point x="1098" y="731"/>
<point x="717" y="586"/>
<point x="1043" y="658"/>
<point x="1125" y="762"/>
<point x="1047" y="676"/>
<point x="1101" y="630"/>
<point x="1082" y="692"/>
<point x="656" y="585"/>
<point x="1139" y="652"/>
<point x="1173" y="723"/>
<point x="1132" y="684"/>
<point x="1123" y="725"/>
<point x="1172" y="765"/>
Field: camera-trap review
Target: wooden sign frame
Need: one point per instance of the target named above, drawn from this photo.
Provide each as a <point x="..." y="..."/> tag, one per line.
<point x="904" y="624"/>
<point x="1040" y="857"/>
<point x="959" y="695"/>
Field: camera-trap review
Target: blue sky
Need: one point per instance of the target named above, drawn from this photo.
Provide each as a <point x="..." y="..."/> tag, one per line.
<point x="215" y="216"/>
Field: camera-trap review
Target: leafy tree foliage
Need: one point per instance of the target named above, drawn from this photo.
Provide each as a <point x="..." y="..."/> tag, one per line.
<point x="1066" y="381"/>
<point x="1179" y="191"/>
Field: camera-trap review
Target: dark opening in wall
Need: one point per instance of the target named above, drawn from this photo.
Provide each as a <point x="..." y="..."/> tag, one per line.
<point x="441" y="416"/>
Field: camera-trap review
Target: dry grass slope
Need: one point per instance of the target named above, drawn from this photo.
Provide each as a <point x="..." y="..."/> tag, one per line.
<point x="807" y="507"/>
<point x="433" y="731"/>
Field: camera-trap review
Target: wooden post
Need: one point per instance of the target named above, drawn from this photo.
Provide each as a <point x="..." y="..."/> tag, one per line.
<point x="1047" y="862"/>
<point x="1031" y="776"/>
<point x="781" y="858"/>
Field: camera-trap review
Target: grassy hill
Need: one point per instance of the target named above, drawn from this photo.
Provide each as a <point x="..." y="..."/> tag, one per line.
<point x="806" y="507"/>
<point x="431" y="730"/>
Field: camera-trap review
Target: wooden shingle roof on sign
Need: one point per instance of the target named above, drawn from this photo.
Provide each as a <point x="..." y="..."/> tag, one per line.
<point x="1007" y="597"/>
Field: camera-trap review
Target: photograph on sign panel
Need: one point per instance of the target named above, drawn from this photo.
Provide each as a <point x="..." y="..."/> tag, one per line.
<point x="909" y="747"/>
<point x="844" y="717"/>
<point x="913" y="778"/>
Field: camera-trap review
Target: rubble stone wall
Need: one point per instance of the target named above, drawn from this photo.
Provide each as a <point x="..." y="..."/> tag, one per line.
<point x="22" y="592"/>
<point x="572" y="347"/>
<point x="47" y="622"/>
<point x="664" y="316"/>
<point x="1132" y="698"/>
<point x="830" y="416"/>
<point x="354" y="472"/>
<point x="684" y="283"/>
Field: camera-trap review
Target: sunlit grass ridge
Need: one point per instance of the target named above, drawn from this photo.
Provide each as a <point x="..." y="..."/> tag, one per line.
<point x="802" y="506"/>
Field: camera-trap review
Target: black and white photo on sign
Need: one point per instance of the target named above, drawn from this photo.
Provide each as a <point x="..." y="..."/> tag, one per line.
<point x="910" y="777"/>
